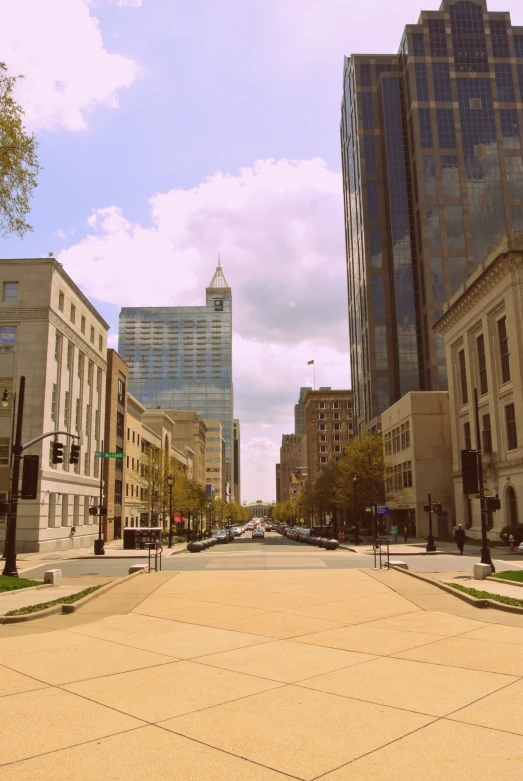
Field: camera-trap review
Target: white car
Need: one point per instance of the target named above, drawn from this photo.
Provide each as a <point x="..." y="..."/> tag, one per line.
<point x="520" y="547"/>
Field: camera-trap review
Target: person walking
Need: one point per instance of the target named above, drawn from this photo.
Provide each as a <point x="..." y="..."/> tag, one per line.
<point x="459" y="536"/>
<point x="394" y="533"/>
<point x="405" y="533"/>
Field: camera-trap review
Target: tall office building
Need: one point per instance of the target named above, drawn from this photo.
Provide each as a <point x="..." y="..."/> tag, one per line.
<point x="180" y="358"/>
<point x="432" y="179"/>
<point x="299" y="413"/>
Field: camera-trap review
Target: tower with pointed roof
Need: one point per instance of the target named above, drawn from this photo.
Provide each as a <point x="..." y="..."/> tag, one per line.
<point x="180" y="358"/>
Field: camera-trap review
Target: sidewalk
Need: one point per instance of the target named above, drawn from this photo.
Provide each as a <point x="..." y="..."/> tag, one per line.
<point x="12" y="600"/>
<point x="502" y="587"/>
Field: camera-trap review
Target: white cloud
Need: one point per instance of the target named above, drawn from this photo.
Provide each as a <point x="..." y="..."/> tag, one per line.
<point x="58" y="47"/>
<point x="60" y="233"/>
<point x="126" y="3"/>
<point x="279" y="228"/>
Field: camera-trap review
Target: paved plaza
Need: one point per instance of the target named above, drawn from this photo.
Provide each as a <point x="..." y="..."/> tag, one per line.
<point x="267" y="675"/>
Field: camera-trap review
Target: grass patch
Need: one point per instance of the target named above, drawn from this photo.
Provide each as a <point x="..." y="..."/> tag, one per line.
<point x="516" y="575"/>
<point x="22" y="611"/>
<point x="485" y="595"/>
<point x="12" y="584"/>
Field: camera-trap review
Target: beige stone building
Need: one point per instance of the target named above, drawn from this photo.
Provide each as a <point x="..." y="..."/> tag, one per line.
<point x="134" y="504"/>
<point x="418" y="457"/>
<point x="293" y="455"/>
<point x="51" y="333"/>
<point x="328" y="420"/>
<point x="113" y="442"/>
<point x="482" y="330"/>
<point x="190" y="431"/>
<point x="215" y="462"/>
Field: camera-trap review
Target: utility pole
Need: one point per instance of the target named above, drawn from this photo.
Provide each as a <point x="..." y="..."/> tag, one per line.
<point x="431" y="547"/>
<point x="10" y="568"/>
<point x="485" y="550"/>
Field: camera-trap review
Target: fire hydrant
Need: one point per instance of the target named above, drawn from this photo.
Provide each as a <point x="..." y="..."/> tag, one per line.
<point x="511" y="542"/>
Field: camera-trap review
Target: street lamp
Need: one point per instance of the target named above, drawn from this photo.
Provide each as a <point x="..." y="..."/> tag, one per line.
<point x="170" y="483"/>
<point x="6" y="395"/>
<point x="354" y="483"/>
<point x="16" y="450"/>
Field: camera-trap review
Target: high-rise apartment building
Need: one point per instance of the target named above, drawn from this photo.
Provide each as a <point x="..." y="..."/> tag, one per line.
<point x="293" y="454"/>
<point x="180" y="358"/>
<point x="433" y="179"/>
<point x="329" y="421"/>
<point x="299" y="413"/>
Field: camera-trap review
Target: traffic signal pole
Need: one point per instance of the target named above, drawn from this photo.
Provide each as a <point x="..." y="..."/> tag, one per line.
<point x="10" y="568"/>
<point x="485" y="550"/>
<point x="99" y="549"/>
<point x="431" y="546"/>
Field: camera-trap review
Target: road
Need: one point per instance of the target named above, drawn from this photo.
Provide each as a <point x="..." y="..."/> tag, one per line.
<point x="272" y="553"/>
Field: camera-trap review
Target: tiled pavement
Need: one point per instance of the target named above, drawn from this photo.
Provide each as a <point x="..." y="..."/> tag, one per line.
<point x="231" y="676"/>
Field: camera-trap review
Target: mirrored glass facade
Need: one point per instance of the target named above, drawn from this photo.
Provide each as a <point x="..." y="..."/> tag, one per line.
<point x="433" y="179"/>
<point x="181" y="357"/>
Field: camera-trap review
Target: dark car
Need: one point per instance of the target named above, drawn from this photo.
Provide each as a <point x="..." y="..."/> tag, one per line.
<point x="259" y="532"/>
<point x="221" y="535"/>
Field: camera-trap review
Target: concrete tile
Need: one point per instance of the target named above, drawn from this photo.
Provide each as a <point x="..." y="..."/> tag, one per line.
<point x="359" y="610"/>
<point x="133" y="756"/>
<point x="51" y="719"/>
<point x="194" y="641"/>
<point x="158" y="603"/>
<point x="310" y="732"/>
<point x="502" y="710"/>
<point x="368" y="639"/>
<point x="12" y="682"/>
<point x="443" y="751"/>
<point x="121" y="627"/>
<point x="281" y="625"/>
<point x="284" y="660"/>
<point x="273" y="601"/>
<point x="29" y="644"/>
<point x="505" y="658"/>
<point x="206" y="614"/>
<point x="497" y="634"/>
<point x="64" y="665"/>
<point x="425" y="688"/>
<point x="433" y="623"/>
<point x="176" y="689"/>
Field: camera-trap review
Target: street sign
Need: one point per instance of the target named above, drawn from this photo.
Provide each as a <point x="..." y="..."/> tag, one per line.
<point x="382" y="509"/>
<point x="109" y="455"/>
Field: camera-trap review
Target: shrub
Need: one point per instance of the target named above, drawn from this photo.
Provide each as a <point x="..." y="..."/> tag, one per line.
<point x="515" y="529"/>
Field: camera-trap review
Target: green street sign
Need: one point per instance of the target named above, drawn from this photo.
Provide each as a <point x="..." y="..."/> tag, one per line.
<point x="108" y="455"/>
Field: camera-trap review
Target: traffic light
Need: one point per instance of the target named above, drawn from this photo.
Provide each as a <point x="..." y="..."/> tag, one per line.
<point x="436" y="507"/>
<point x="74" y="455"/>
<point x="30" y="477"/>
<point x="93" y="510"/>
<point x="58" y="452"/>
<point x="493" y="503"/>
<point x="469" y="471"/>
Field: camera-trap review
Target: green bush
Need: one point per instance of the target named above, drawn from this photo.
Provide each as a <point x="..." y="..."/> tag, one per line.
<point x="515" y="529"/>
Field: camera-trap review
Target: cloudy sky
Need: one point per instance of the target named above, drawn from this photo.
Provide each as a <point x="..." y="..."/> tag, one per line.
<point x="171" y="130"/>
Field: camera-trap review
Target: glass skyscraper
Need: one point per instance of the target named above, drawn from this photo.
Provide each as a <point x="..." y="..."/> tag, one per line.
<point x="181" y="357"/>
<point x="432" y="180"/>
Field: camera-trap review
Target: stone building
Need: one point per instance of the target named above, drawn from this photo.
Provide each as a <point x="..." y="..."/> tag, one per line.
<point x="190" y="431"/>
<point x="113" y="442"/>
<point x="328" y="419"/>
<point x="293" y="455"/>
<point x="278" y="483"/>
<point x="215" y="462"/>
<point x="482" y="329"/>
<point x="51" y="334"/>
<point x="418" y="458"/>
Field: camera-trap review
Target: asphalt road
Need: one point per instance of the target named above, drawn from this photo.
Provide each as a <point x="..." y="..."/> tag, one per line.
<point x="273" y="552"/>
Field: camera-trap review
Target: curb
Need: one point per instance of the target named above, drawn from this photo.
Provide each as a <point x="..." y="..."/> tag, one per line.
<point x="508" y="582"/>
<point x="473" y="601"/>
<point x="65" y="609"/>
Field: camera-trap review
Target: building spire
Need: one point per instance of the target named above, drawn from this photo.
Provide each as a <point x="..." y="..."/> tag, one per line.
<point x="218" y="280"/>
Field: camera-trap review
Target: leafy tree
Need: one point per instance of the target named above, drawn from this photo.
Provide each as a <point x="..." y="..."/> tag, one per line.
<point x="364" y="458"/>
<point x="18" y="161"/>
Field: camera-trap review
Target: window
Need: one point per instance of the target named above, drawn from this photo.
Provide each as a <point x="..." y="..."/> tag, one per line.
<point x="81" y="365"/>
<point x="370" y="154"/>
<point x="4" y="451"/>
<point x="458" y="269"/>
<point x="365" y="76"/>
<point x="54" y="402"/>
<point x="512" y="505"/>
<point x="322" y="416"/>
<point x="92" y="335"/>
<point x="437" y="38"/>
<point x="121" y="392"/>
<point x="7" y="338"/>
<point x="61" y="301"/>
<point x="67" y="408"/>
<point x="118" y="492"/>
<point x="119" y="425"/>
<point x="463" y="377"/>
<point x="373" y="199"/>
<point x="72" y="316"/>
<point x="367" y="111"/>
<point x="422" y="84"/>
<point x="482" y="365"/>
<point x="323" y="448"/>
<point x="322" y="427"/>
<point x="486" y="434"/>
<point x="337" y="427"/>
<point x="118" y="467"/>
<point x="406" y="469"/>
<point x="10" y="291"/>
<point x="418" y="46"/>
<point x="446" y="129"/>
<point x="438" y="281"/>
<point x="504" y="355"/>
<point x="510" y="420"/>
<point x="100" y="343"/>
<point x="425" y="128"/>
<point x="70" y="356"/>
<point x="335" y="415"/>
<point x="323" y="459"/>
<point x="58" y="347"/>
<point x="441" y="77"/>
<point x="82" y="325"/>
<point x="88" y="420"/>
<point x="505" y="83"/>
<point x="335" y="405"/>
<point x="78" y="416"/>
<point x="467" y="441"/>
<point x="454" y="226"/>
<point x="499" y="38"/>
<point x="450" y="176"/>
<point x="129" y="434"/>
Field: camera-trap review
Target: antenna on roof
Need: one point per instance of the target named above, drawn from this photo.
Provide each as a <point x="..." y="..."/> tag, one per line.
<point x="51" y="254"/>
<point x="219" y="261"/>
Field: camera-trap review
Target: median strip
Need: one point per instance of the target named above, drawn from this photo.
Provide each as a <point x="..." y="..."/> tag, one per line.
<point x="474" y="592"/>
<point x="22" y="611"/>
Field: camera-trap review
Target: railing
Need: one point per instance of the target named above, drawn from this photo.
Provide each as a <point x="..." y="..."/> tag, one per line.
<point x="157" y="557"/>
<point x="381" y="551"/>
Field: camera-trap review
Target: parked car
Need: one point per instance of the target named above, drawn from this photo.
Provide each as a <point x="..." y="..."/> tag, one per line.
<point x="236" y="531"/>
<point x="258" y="532"/>
<point x="221" y="535"/>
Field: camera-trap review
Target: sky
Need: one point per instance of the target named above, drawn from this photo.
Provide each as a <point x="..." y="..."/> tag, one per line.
<point x="170" y="131"/>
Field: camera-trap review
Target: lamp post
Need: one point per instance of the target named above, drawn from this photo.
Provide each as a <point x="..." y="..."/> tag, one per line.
<point x="6" y="395"/>
<point x="170" y="483"/>
<point x="354" y="483"/>
<point x="10" y="551"/>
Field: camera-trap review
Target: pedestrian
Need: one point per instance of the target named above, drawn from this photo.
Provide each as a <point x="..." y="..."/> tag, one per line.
<point x="405" y="534"/>
<point x="512" y="543"/>
<point x="158" y="545"/>
<point x="459" y="536"/>
<point x="394" y="533"/>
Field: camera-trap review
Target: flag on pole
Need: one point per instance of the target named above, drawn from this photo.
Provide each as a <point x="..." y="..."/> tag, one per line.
<point x="309" y="363"/>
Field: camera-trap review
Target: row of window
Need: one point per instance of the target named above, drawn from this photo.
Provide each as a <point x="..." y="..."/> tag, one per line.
<point x="71" y="510"/>
<point x="481" y="362"/>
<point x="335" y="405"/>
<point x="335" y="427"/>
<point x="397" y="439"/>
<point x="399" y="476"/>
<point x="511" y="433"/>
<point x="83" y="322"/>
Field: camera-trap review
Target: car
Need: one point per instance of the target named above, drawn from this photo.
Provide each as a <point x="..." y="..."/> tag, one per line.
<point x="236" y="531"/>
<point x="221" y="535"/>
<point x="520" y="547"/>
<point x="258" y="532"/>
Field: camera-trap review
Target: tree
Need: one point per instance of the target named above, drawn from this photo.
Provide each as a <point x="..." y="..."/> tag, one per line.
<point x="364" y="458"/>
<point x="18" y="161"/>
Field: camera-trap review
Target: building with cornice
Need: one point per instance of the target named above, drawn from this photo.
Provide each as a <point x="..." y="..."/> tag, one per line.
<point x="51" y="334"/>
<point x="180" y="358"/>
<point x="482" y="330"/>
